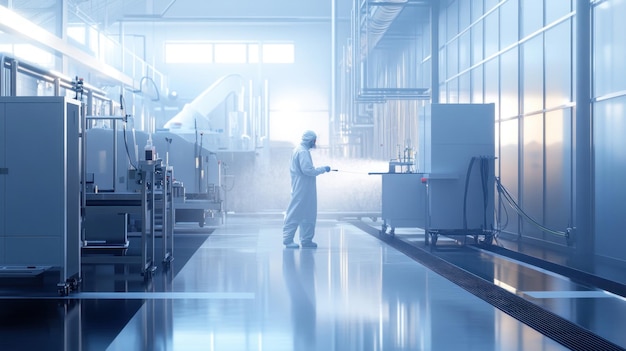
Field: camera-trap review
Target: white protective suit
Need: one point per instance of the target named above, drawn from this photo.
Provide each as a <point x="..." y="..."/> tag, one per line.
<point x="302" y="209"/>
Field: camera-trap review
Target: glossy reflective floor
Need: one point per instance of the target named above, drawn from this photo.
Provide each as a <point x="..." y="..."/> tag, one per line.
<point x="237" y="288"/>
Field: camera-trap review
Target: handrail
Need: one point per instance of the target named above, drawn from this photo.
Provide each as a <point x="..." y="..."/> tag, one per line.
<point x="47" y="75"/>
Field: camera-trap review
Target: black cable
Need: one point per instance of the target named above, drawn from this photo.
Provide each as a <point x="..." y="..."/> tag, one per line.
<point x="484" y="173"/>
<point x="122" y="101"/>
<point x="467" y="178"/>
<point x="520" y="211"/>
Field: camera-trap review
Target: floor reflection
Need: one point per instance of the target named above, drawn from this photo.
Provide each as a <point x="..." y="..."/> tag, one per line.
<point x="299" y="278"/>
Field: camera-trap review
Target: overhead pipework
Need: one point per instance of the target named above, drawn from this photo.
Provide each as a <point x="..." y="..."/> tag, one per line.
<point x="372" y="21"/>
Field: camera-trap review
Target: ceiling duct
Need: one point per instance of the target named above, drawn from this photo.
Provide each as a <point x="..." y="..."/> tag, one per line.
<point x="378" y="18"/>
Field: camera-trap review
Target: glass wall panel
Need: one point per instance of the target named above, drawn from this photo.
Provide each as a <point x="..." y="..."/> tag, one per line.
<point x="532" y="16"/>
<point x="508" y="23"/>
<point x="489" y="4"/>
<point x="477" y="86"/>
<point x="465" y="14"/>
<point x="443" y="20"/>
<point x="442" y="63"/>
<point x="453" y="91"/>
<point x="477" y="10"/>
<point x="532" y="175"/>
<point x="509" y="84"/>
<point x="558" y="170"/>
<point x="464" y="88"/>
<point x="558" y="52"/>
<point x="492" y="88"/>
<point x="477" y="42"/>
<point x="465" y="51"/>
<point x="509" y="168"/>
<point x="609" y="49"/>
<point x="492" y="40"/>
<point x="452" y="58"/>
<point x="532" y="73"/>
<point x="557" y="9"/>
<point x="452" y="20"/>
<point x="610" y="172"/>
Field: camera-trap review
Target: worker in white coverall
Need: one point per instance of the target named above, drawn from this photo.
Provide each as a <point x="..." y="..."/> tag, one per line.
<point x="302" y="209"/>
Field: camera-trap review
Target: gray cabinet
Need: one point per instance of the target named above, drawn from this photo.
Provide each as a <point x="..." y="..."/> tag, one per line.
<point x="40" y="184"/>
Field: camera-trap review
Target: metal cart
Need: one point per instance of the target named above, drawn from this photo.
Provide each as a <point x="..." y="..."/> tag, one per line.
<point x="403" y="204"/>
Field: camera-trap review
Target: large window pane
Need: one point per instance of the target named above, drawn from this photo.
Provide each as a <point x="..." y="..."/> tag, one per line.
<point x="477" y="9"/>
<point x="509" y="90"/>
<point x="557" y="9"/>
<point x="452" y="58"/>
<point x="532" y="184"/>
<point x="610" y="172"/>
<point x="477" y="42"/>
<point x="532" y="16"/>
<point x="465" y="51"/>
<point x="609" y="49"/>
<point x="278" y="53"/>
<point x="477" y="86"/>
<point x="558" y="65"/>
<point x="453" y="91"/>
<point x="508" y="23"/>
<point x="464" y="88"/>
<point x="558" y="169"/>
<point x="509" y="167"/>
<point x="452" y="12"/>
<point x="464" y="14"/>
<point x="230" y="53"/>
<point x="492" y="39"/>
<point x="532" y="71"/>
<point x="188" y="53"/>
<point x="492" y="87"/>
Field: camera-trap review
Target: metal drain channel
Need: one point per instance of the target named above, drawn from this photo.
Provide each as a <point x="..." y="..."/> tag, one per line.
<point x="547" y="323"/>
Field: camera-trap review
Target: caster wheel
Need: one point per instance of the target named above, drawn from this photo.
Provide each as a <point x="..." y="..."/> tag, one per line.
<point x="63" y="289"/>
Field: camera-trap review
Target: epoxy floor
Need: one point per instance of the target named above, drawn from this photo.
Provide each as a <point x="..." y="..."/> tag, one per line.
<point x="239" y="289"/>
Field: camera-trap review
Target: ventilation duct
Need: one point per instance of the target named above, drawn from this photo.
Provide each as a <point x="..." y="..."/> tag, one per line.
<point x="199" y="109"/>
<point x="377" y="21"/>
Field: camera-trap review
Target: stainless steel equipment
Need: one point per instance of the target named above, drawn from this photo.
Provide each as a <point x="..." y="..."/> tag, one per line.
<point x="150" y="199"/>
<point x="40" y="178"/>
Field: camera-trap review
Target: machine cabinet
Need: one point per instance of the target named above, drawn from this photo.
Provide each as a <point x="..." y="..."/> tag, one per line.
<point x="40" y="185"/>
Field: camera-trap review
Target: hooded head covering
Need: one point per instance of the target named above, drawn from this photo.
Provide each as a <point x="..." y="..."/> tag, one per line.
<point x="309" y="136"/>
<point x="308" y="139"/>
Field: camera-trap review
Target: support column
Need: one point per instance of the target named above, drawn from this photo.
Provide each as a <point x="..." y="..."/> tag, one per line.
<point x="434" y="55"/>
<point x="583" y="136"/>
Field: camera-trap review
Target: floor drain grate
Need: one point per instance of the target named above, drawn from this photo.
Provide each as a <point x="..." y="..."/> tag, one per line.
<point x="547" y="323"/>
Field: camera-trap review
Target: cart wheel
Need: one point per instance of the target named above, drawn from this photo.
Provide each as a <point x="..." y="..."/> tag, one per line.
<point x="488" y="239"/>
<point x="63" y="289"/>
<point x="73" y="284"/>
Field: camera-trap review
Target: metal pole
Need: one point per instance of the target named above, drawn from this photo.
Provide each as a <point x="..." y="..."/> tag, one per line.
<point x="434" y="55"/>
<point x="583" y="126"/>
<point x="333" y="75"/>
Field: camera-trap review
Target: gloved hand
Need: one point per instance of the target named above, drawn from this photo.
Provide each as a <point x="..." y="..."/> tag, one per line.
<point x="327" y="168"/>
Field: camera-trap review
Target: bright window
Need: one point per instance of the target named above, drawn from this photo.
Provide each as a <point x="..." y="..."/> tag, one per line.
<point x="188" y="53"/>
<point x="231" y="53"/>
<point x="253" y="53"/>
<point x="278" y="53"/>
<point x="228" y="52"/>
<point x="77" y="33"/>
